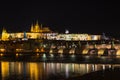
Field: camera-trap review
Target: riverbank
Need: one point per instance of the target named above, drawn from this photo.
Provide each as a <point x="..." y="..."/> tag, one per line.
<point x="108" y="74"/>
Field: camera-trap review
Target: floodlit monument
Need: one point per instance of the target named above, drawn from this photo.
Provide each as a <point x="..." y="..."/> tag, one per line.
<point x="39" y="32"/>
<point x="42" y="39"/>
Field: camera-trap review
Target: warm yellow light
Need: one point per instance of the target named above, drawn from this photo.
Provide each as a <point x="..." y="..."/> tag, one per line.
<point x="2" y="50"/>
<point x="37" y="54"/>
<point x="1" y="54"/>
<point x="37" y="50"/>
<point x="18" y="50"/>
<point x="118" y="53"/>
<point x="5" y="69"/>
<point x="100" y="52"/>
<point x="60" y="51"/>
<point x="34" y="71"/>
<point x="85" y="51"/>
<point x="51" y="51"/>
<point x="72" y="51"/>
<point x="17" y="54"/>
<point x="42" y="50"/>
<point x="5" y="35"/>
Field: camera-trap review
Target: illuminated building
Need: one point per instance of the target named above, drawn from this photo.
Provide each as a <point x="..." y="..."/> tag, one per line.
<point x="39" y="32"/>
<point x="5" y="35"/>
<point x="41" y="39"/>
<point x="75" y="37"/>
<point x="37" y="28"/>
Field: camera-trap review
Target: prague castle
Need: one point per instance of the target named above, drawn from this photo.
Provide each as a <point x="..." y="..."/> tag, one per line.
<point x="35" y="32"/>
<point x="39" y="32"/>
<point x="42" y="39"/>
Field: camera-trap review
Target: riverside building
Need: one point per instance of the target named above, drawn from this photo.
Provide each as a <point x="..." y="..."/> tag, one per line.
<point x="39" y="32"/>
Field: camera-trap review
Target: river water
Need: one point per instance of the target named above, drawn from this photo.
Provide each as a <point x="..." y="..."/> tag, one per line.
<point x="46" y="71"/>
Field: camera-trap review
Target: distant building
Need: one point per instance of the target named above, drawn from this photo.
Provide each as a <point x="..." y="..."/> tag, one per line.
<point x="39" y="32"/>
<point x="39" y="29"/>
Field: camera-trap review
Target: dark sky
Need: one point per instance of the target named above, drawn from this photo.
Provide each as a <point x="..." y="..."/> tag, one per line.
<point x="85" y="16"/>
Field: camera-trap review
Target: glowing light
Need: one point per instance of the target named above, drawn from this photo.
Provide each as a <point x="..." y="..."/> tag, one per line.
<point x="87" y="57"/>
<point x="85" y="51"/>
<point x="51" y="55"/>
<point x="42" y="50"/>
<point x="5" y="35"/>
<point x="5" y="69"/>
<point x="37" y="54"/>
<point x="67" y="31"/>
<point x="72" y="55"/>
<point x="103" y="67"/>
<point x="118" y="53"/>
<point x="17" y="54"/>
<point x="33" y="68"/>
<point x="1" y="54"/>
<point x="18" y="50"/>
<point x="93" y="67"/>
<point x="100" y="52"/>
<point x="67" y="70"/>
<point x="72" y="51"/>
<point x="60" y="51"/>
<point x="103" y="57"/>
<point x="39" y="28"/>
<point x="2" y="50"/>
<point x="110" y="66"/>
<point x="44" y="55"/>
<point x="51" y="51"/>
<point x="61" y="55"/>
<point x="37" y="50"/>
<point x="24" y="39"/>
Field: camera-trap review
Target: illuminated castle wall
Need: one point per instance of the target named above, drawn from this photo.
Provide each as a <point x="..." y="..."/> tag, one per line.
<point x="39" y="32"/>
<point x="82" y="37"/>
<point x="36" y="32"/>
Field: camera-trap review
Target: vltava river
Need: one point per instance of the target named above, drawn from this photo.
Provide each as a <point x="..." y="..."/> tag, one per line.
<point x="46" y="71"/>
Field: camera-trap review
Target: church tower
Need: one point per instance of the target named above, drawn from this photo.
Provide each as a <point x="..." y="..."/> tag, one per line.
<point x="5" y="35"/>
<point x="39" y="28"/>
<point x="35" y="28"/>
<point x="32" y="28"/>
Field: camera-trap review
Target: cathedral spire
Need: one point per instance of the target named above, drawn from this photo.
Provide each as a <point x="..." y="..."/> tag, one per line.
<point x="32" y="28"/>
<point x="37" y="24"/>
<point x="36" y="28"/>
<point x="4" y="30"/>
<point x="5" y="35"/>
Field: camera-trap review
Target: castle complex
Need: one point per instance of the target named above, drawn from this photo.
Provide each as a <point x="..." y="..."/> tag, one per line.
<point x="39" y="32"/>
<point x="42" y="39"/>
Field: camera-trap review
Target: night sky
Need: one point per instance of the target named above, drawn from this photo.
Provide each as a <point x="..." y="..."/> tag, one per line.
<point x="94" y="17"/>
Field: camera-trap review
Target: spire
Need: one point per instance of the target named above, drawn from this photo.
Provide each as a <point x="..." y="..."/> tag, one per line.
<point x="5" y="35"/>
<point x="4" y="30"/>
<point x="32" y="28"/>
<point x="37" y="24"/>
<point x="36" y="28"/>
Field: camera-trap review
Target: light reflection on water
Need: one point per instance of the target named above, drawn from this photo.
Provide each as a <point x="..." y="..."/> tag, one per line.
<point x="46" y="71"/>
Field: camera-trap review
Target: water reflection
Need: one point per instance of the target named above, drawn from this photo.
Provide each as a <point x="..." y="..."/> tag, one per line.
<point x="46" y="71"/>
